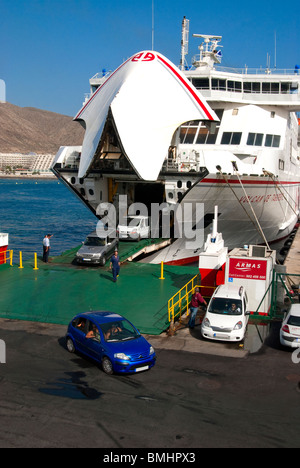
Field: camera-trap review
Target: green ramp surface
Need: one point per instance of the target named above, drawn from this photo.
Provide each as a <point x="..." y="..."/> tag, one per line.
<point x="57" y="291"/>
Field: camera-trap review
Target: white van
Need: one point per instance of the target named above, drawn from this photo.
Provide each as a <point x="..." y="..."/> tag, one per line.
<point x="136" y="228"/>
<point x="227" y="314"/>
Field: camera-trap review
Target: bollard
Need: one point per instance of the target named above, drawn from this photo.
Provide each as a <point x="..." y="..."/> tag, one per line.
<point x="162" y="271"/>
<point x="21" y="265"/>
<point x="35" y="261"/>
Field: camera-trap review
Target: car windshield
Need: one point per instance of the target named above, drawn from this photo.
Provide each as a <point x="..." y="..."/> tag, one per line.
<point x="119" y="331"/>
<point x="294" y="321"/>
<point x="226" y="306"/>
<point x="133" y="222"/>
<point x="94" y="242"/>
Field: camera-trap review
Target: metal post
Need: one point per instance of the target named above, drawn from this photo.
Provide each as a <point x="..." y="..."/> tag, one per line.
<point x="35" y="261"/>
<point x="21" y="265"/>
<point x="162" y="271"/>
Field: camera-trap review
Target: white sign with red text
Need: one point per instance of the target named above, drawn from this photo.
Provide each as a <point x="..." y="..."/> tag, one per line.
<point x="248" y="269"/>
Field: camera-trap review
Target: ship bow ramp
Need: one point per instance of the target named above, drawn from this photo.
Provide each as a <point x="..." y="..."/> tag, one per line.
<point x="146" y="99"/>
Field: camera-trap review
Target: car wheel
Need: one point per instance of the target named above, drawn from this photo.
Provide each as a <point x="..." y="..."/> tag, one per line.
<point x="70" y="345"/>
<point x="107" y="366"/>
<point x="102" y="260"/>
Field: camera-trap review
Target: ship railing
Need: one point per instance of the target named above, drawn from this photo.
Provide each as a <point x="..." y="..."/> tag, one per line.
<point x="6" y="257"/>
<point x="178" y="305"/>
<point x="180" y="165"/>
<point x="255" y="71"/>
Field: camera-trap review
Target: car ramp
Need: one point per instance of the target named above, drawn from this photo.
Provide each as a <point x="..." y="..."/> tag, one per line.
<point x="55" y="292"/>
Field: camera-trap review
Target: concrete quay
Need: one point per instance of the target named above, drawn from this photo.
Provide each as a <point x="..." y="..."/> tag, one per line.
<point x="292" y="261"/>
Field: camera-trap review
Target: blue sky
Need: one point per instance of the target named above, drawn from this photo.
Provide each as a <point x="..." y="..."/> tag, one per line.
<point x="50" y="49"/>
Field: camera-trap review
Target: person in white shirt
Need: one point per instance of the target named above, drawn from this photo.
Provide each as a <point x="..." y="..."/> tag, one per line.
<point x="46" y="248"/>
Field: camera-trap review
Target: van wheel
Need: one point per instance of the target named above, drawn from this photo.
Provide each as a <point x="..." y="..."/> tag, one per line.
<point x="70" y="345"/>
<point x="107" y="366"/>
<point x="102" y="260"/>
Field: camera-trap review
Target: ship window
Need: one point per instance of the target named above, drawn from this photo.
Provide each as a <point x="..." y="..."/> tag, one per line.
<point x="201" y="83"/>
<point x="187" y="134"/>
<point x="285" y="88"/>
<point x="231" y="138"/>
<point x="272" y="141"/>
<point x="251" y="87"/>
<point x="266" y="87"/>
<point x="218" y="84"/>
<point x="205" y="137"/>
<point x="202" y="135"/>
<point x="270" y="88"/>
<point x="255" y="139"/>
<point x="255" y="87"/>
<point x="235" y="86"/>
<point x="211" y="137"/>
<point x="247" y="87"/>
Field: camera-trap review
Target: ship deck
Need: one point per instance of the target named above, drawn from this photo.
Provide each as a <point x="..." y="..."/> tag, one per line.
<point x="57" y="291"/>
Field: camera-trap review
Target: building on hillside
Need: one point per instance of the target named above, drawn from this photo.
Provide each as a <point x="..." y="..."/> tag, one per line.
<point x="26" y="164"/>
<point x="2" y="91"/>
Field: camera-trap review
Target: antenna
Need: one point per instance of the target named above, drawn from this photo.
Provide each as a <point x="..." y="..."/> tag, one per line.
<point x="184" y="41"/>
<point x="152" y="24"/>
<point x="275" y="49"/>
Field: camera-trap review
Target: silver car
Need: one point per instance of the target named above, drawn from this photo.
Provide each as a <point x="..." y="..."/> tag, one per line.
<point x="290" y="328"/>
<point x="96" y="249"/>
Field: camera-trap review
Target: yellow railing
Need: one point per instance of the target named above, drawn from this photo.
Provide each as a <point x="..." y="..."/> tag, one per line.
<point x="179" y="303"/>
<point x="6" y="257"/>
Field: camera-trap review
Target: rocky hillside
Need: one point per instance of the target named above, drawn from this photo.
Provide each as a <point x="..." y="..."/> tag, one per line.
<point x="26" y="129"/>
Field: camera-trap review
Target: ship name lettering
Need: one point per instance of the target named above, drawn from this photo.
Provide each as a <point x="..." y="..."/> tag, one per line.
<point x="143" y="56"/>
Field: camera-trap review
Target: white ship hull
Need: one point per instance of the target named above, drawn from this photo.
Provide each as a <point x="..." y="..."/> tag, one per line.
<point x="276" y="218"/>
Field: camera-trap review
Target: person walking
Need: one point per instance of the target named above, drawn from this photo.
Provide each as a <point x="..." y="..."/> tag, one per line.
<point x="46" y="248"/>
<point x="196" y="301"/>
<point x="115" y="265"/>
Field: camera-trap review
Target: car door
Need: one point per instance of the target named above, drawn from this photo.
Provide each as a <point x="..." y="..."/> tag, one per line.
<point x="78" y="332"/>
<point x="93" y="345"/>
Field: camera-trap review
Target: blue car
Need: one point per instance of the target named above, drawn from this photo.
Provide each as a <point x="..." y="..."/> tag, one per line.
<point x="111" y="340"/>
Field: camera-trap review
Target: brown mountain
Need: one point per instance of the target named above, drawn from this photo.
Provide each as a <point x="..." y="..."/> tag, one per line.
<point x="27" y="129"/>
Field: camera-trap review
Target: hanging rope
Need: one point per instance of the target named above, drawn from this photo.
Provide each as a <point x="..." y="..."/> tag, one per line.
<point x="277" y="184"/>
<point x="256" y="224"/>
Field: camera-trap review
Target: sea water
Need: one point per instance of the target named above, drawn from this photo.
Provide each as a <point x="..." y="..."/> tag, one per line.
<point x="31" y="208"/>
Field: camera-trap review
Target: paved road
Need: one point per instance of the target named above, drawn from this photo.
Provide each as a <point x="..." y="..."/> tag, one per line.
<point x="50" y="398"/>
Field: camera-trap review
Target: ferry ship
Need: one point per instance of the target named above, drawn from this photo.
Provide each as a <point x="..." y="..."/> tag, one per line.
<point x="200" y="135"/>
